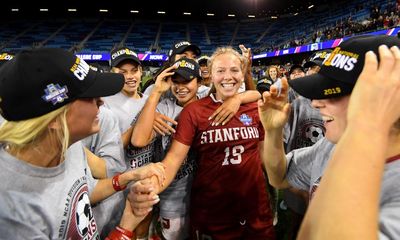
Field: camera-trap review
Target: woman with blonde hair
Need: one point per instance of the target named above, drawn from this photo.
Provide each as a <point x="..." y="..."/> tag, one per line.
<point x="228" y="198"/>
<point x="49" y="99"/>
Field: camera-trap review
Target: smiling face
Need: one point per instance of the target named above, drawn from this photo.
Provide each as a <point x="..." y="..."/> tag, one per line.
<point x="82" y="118"/>
<point x="273" y="73"/>
<point x="226" y="75"/>
<point x="184" y="91"/>
<point x="334" y="115"/>
<point x="132" y="73"/>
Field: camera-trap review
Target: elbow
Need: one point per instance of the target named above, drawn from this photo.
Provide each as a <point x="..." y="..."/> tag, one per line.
<point x="138" y="142"/>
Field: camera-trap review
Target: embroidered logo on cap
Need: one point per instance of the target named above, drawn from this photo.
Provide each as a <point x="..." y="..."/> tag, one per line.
<point x="341" y="59"/>
<point x="55" y="94"/>
<point x="245" y="119"/>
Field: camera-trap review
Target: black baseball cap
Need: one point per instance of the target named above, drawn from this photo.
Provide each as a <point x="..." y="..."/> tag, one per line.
<point x="203" y="60"/>
<point x="188" y="69"/>
<point x="264" y="84"/>
<point x="36" y="82"/>
<point x="317" y="58"/>
<point x="120" y="54"/>
<point x="182" y="46"/>
<point x="340" y="71"/>
<point x="295" y="66"/>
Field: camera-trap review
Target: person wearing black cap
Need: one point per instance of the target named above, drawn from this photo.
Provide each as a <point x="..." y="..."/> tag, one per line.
<point x="330" y="90"/>
<point x="183" y="78"/>
<point x="178" y="50"/>
<point x="50" y="101"/>
<point x="361" y="181"/>
<point x="126" y="105"/>
<point x="304" y="128"/>
<point x="314" y="63"/>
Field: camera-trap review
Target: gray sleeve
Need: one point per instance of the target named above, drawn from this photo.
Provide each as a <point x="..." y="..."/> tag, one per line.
<point x="108" y="144"/>
<point x="389" y="221"/>
<point x="306" y="165"/>
<point x="389" y="212"/>
<point x="91" y="182"/>
<point x="299" y="163"/>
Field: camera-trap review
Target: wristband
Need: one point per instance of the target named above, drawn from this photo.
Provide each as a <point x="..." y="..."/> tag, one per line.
<point x="120" y="233"/>
<point x="115" y="183"/>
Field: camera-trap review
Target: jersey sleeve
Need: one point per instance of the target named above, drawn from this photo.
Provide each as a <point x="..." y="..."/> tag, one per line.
<point x="299" y="167"/>
<point x="187" y="125"/>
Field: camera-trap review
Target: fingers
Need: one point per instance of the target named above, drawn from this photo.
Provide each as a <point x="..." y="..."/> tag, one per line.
<point x="165" y="127"/>
<point x="280" y="89"/>
<point x="223" y="117"/>
<point x="396" y="71"/>
<point x="215" y="113"/>
<point x="161" y="126"/>
<point x="141" y="200"/>
<point x="370" y="65"/>
<point x="228" y="118"/>
<point x="158" y="129"/>
<point x="166" y="118"/>
<point x="159" y="171"/>
<point x="387" y="60"/>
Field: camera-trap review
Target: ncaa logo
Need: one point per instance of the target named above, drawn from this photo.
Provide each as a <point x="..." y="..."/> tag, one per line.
<point x="245" y="119"/>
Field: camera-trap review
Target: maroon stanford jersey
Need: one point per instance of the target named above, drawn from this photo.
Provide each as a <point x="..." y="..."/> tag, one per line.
<point x="229" y="184"/>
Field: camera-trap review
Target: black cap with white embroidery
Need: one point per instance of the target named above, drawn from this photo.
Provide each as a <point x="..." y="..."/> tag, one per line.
<point x="120" y="54"/>
<point x="340" y="71"/>
<point x="182" y="46"/>
<point x="36" y="82"/>
<point x="188" y="69"/>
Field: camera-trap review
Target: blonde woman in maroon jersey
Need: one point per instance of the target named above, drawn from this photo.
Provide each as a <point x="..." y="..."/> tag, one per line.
<point x="228" y="198"/>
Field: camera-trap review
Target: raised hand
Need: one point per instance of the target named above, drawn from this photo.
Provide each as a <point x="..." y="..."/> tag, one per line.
<point x="273" y="108"/>
<point x="378" y="88"/>
<point x="163" y="80"/>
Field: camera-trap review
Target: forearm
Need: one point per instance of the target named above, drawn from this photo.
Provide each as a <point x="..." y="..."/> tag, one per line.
<point x="143" y="130"/>
<point x="248" y="78"/>
<point x="275" y="158"/>
<point x="249" y="96"/>
<point x="350" y="187"/>
<point x="104" y="187"/>
<point x="126" y="137"/>
<point x="97" y="165"/>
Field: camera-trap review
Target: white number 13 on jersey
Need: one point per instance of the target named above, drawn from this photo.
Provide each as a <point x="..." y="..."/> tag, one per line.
<point x="234" y="155"/>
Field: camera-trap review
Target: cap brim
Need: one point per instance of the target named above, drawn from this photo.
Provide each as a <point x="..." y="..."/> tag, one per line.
<point x="317" y="86"/>
<point x="106" y="84"/>
<point x="116" y="62"/>
<point x="309" y="64"/>
<point x="180" y="77"/>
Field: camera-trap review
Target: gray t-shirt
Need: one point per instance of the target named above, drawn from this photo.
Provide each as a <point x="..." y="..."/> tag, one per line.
<point x="306" y="165"/>
<point x="125" y="108"/>
<point x="304" y="128"/>
<point x="107" y="144"/>
<point x="389" y="212"/>
<point x="46" y="203"/>
<point x="174" y="200"/>
<point x="305" y="174"/>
